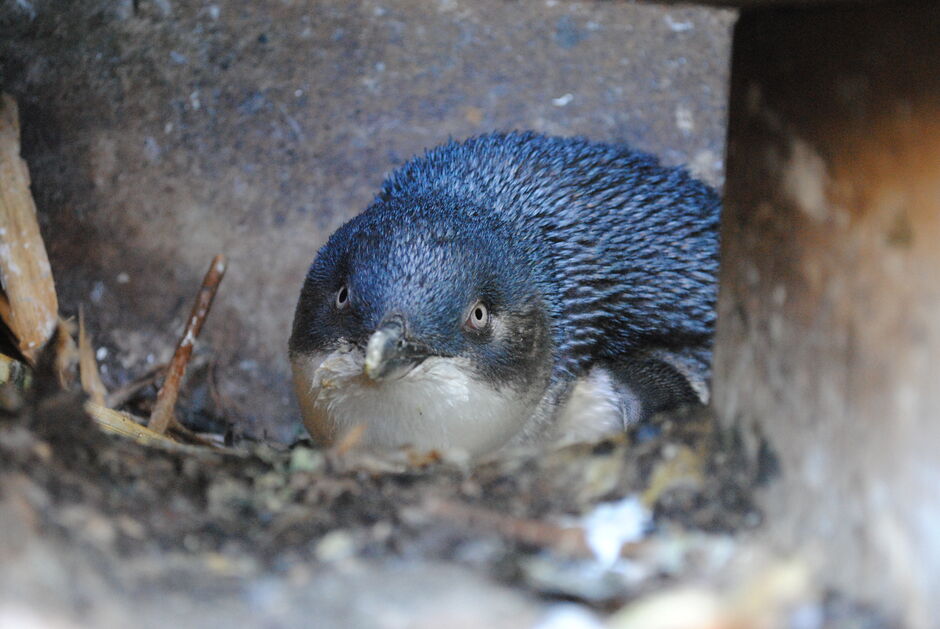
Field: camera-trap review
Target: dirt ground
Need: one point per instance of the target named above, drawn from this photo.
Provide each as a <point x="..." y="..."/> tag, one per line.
<point x="101" y="531"/>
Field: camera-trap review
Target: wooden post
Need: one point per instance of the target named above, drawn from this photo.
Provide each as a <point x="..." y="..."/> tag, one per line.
<point x="828" y="340"/>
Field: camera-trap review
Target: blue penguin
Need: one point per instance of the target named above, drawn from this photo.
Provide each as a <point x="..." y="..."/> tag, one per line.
<point x="508" y="289"/>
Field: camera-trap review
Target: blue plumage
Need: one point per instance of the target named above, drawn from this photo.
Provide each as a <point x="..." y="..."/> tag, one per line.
<point x="584" y="256"/>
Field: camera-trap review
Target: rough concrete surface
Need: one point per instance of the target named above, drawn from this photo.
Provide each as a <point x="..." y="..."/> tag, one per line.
<point x="161" y="132"/>
<point x="828" y="338"/>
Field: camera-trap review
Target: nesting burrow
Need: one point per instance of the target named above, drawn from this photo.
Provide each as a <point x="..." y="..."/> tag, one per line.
<point x="161" y="477"/>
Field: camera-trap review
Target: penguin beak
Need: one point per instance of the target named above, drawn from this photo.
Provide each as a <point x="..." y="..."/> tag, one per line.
<point x="390" y="355"/>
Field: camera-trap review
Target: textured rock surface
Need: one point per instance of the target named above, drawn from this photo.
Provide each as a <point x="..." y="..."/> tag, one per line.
<point x="160" y="132"/>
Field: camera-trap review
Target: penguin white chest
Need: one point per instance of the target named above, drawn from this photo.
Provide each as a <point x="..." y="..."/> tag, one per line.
<point x="439" y="404"/>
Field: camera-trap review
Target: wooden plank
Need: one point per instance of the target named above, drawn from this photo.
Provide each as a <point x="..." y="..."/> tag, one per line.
<point x="828" y="339"/>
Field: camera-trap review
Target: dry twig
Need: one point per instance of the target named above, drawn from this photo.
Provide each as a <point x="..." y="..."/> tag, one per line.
<point x="184" y="435"/>
<point x="162" y="416"/>
<point x="65" y="353"/>
<point x="88" y="365"/>
<point x="119" y="423"/>
<point x="563" y="540"/>
<point x="126" y="393"/>
<point x="29" y="305"/>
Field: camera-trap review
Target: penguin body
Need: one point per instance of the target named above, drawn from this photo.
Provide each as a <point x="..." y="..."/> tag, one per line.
<point x="511" y="288"/>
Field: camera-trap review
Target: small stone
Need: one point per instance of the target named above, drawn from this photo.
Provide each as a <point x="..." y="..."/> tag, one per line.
<point x="305" y="460"/>
<point x="336" y="546"/>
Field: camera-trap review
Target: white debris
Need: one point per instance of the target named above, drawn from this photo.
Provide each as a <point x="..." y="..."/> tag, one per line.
<point x="569" y="616"/>
<point x="678" y="27"/>
<point x="684" y="120"/>
<point x="612" y="524"/>
<point x="563" y="101"/>
<point x="336" y="546"/>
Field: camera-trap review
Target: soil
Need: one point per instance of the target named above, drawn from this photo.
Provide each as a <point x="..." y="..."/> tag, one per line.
<point x="98" y="530"/>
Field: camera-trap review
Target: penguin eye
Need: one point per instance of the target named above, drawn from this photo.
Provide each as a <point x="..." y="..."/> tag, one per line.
<point x="342" y="297"/>
<point x="478" y="317"/>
